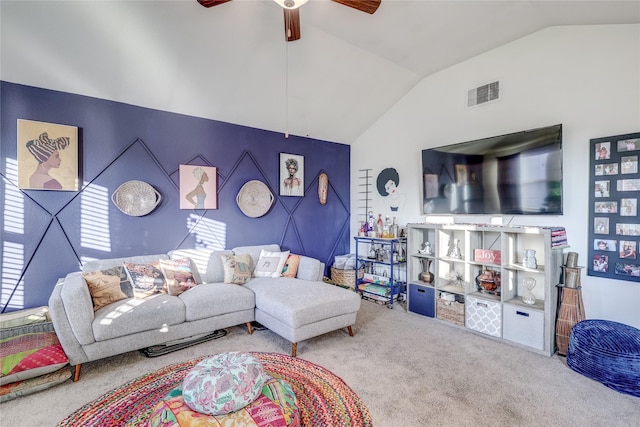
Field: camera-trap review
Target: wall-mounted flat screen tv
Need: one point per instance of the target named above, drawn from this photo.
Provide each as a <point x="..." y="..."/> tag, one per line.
<point x="515" y="174"/>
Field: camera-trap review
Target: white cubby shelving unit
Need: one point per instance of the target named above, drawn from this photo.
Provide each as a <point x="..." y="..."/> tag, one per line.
<point x="501" y="314"/>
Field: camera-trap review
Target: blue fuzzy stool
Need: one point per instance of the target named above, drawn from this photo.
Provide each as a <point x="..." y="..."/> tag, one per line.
<point x="608" y="352"/>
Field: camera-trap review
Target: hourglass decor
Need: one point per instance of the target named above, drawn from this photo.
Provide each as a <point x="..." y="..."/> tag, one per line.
<point x="529" y="284"/>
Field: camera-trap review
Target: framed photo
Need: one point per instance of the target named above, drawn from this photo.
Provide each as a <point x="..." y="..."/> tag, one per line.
<point x="629" y="164"/>
<point x="47" y="156"/>
<point x="628" y="144"/>
<point x="291" y="175"/>
<point x="614" y="229"/>
<point x="629" y="207"/>
<point x="628" y="249"/>
<point x="198" y="187"/>
<point x="602" y="188"/>
<point x="601" y="226"/>
<point x="606" y="207"/>
<point x="603" y="150"/>
<point x="601" y="263"/>
<point x="605" y="245"/>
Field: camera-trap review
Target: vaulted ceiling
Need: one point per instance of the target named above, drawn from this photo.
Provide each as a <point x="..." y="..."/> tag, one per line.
<point x="231" y="62"/>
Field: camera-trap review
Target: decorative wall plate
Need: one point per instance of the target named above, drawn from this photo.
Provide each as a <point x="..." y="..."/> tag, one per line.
<point x="254" y="199"/>
<point x="136" y="198"/>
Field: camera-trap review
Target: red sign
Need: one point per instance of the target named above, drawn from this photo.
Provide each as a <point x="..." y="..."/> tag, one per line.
<point x="487" y="255"/>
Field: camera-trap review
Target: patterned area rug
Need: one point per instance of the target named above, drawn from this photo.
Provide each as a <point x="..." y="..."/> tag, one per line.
<point x="323" y="398"/>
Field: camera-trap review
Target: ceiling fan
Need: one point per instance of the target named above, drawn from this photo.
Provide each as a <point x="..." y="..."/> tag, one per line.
<point x="292" y="14"/>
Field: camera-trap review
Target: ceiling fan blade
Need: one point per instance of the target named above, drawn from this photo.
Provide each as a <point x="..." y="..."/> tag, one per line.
<point x="291" y="24"/>
<point x="369" y="6"/>
<point x="209" y="3"/>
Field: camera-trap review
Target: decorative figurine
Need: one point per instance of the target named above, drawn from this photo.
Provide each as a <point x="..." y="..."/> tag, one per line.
<point x="455" y="251"/>
<point x="529" y="260"/>
<point x="426" y="249"/>
<point x="528" y="297"/>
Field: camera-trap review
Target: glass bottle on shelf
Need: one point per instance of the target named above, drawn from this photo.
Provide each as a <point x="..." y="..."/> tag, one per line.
<point x="394" y="229"/>
<point x="386" y="227"/>
<point x="380" y="225"/>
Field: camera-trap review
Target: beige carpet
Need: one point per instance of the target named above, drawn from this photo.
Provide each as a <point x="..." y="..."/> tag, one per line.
<point x="409" y="370"/>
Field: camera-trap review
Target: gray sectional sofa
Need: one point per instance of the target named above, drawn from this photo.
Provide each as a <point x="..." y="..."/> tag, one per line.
<point x="295" y="308"/>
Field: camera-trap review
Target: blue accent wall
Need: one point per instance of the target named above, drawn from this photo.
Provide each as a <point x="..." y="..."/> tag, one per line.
<point x="46" y="234"/>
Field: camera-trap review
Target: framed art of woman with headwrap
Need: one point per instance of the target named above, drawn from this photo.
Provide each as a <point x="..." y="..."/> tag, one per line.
<point x="47" y="156"/>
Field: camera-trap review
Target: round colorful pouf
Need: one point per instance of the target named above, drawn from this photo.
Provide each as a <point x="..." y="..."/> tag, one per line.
<point x="223" y="383"/>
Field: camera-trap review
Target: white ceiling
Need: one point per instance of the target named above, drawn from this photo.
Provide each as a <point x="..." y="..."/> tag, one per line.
<point x="231" y="63"/>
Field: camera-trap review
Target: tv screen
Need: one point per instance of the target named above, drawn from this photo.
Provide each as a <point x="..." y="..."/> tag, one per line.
<point x="515" y="174"/>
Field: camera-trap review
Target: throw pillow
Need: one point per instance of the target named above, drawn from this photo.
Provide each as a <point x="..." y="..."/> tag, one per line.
<point x="178" y="275"/>
<point x="104" y="288"/>
<point x="291" y="266"/>
<point x="270" y="264"/>
<point x="237" y="268"/>
<point x="30" y="355"/>
<point x="223" y="383"/>
<point x="146" y="279"/>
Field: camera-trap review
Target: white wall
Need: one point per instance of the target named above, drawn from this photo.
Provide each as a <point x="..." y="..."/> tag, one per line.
<point x="585" y="77"/>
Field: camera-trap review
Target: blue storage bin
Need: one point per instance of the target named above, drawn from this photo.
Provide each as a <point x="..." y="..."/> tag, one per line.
<point x="422" y="300"/>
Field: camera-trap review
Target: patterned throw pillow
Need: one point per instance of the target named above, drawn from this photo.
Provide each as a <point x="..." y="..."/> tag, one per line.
<point x="291" y="266"/>
<point x="146" y="279"/>
<point x="223" y="383"/>
<point x="178" y="274"/>
<point x="237" y="268"/>
<point x="104" y="288"/>
<point x="270" y="264"/>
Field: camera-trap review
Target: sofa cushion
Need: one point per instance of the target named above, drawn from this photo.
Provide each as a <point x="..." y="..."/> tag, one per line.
<point x="104" y="288"/>
<point x="299" y="302"/>
<point x="178" y="275"/>
<point x="103" y="264"/>
<point x="290" y="268"/>
<point x="137" y="315"/>
<point x="254" y="251"/>
<point x="223" y="383"/>
<point x="146" y="279"/>
<point x="310" y="269"/>
<point x="270" y="264"/>
<point x="237" y="268"/>
<point x="215" y="270"/>
<point x="213" y="299"/>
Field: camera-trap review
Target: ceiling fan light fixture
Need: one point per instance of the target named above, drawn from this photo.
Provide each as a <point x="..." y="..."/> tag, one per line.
<point x="291" y="4"/>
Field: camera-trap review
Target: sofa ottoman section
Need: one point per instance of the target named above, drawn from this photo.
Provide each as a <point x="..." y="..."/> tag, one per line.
<point x="299" y="309"/>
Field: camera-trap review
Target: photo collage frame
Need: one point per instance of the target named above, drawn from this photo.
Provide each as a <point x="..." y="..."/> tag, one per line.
<point x="614" y="230"/>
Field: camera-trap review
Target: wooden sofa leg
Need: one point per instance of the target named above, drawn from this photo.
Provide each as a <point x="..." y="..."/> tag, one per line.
<point x="249" y="328"/>
<point x="294" y="349"/>
<point x="76" y="372"/>
<point x="350" y="331"/>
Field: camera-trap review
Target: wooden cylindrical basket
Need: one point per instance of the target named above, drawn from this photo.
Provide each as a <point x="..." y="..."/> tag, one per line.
<point x="346" y="278"/>
<point x="571" y="312"/>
